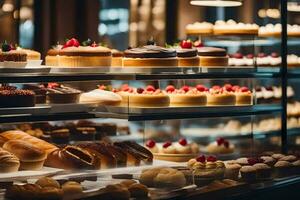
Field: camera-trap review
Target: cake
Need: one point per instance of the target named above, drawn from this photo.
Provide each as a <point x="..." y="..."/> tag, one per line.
<point x="263" y="171"/>
<point x="72" y="54"/>
<point x="150" y="56"/>
<point x="274" y="30"/>
<point x="232" y="170"/>
<point x="57" y="93"/>
<point x="282" y="169"/>
<point x="117" y="58"/>
<point x="212" y="57"/>
<point x="12" y="97"/>
<point x="31" y="54"/>
<point x="139" y="97"/>
<point x="10" y="57"/>
<point x="101" y="97"/>
<point x="39" y="90"/>
<point x="272" y="60"/>
<point x="243" y="95"/>
<point x="231" y="27"/>
<point x="199" y="28"/>
<point x="151" y="146"/>
<point x="187" y="55"/>
<point x="187" y="96"/>
<point x="220" y="96"/>
<point x="220" y="146"/>
<point x="239" y="60"/>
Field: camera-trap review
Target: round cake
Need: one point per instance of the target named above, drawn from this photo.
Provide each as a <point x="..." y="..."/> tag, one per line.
<point x="212" y="57"/>
<point x="10" y="57"/>
<point x="139" y="97"/>
<point x="220" y="96"/>
<point x="232" y="28"/>
<point x="117" y="58"/>
<point x="243" y="95"/>
<point x="31" y="54"/>
<point x="187" y="96"/>
<point x="187" y="55"/>
<point x="150" y="56"/>
<point x="199" y="28"/>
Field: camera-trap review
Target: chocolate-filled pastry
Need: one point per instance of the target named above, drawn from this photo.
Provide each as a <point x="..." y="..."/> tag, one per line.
<point x="72" y="157"/>
<point x="135" y="153"/>
<point x="61" y="94"/>
<point x="118" y="153"/>
<point x="100" y="149"/>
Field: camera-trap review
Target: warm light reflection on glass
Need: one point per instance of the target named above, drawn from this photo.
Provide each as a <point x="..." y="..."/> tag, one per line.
<point x="216" y="3"/>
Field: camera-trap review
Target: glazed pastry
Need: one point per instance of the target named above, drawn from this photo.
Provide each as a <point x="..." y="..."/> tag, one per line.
<point x="220" y="146"/>
<point x="212" y="57"/>
<point x="30" y="156"/>
<point x="187" y="96"/>
<point x="47" y="182"/>
<point x="118" y="153"/>
<point x="61" y="94"/>
<point x="150" y="56"/>
<point x="220" y="96"/>
<point x="151" y="146"/>
<point x="101" y="97"/>
<point x="8" y="162"/>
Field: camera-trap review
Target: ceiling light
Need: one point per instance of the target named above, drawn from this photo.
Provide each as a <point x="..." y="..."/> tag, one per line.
<point x="217" y="3"/>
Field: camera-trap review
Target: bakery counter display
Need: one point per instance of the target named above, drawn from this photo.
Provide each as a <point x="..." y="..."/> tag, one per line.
<point x="274" y="30"/>
<point x="272" y="94"/>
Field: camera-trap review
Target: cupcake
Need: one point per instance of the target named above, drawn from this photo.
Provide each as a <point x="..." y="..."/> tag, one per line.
<point x="263" y="171"/>
<point x="183" y="147"/>
<point x="151" y="146"/>
<point x="242" y="161"/>
<point x="232" y="170"/>
<point x="248" y="173"/>
<point x="268" y="160"/>
<point x="282" y="169"/>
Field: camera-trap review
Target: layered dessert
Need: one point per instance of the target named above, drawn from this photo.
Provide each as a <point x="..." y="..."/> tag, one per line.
<point x="10" y="57"/>
<point x="150" y="56"/>
<point x="57" y="93"/>
<point x="240" y="60"/>
<point x="72" y="54"/>
<point x="220" y="146"/>
<point x="31" y="54"/>
<point x="187" y="55"/>
<point x="13" y="97"/>
<point x="187" y="96"/>
<point x="199" y="28"/>
<point x="263" y="60"/>
<point x="220" y="96"/>
<point x="231" y="27"/>
<point x="212" y="57"/>
<point x="143" y="97"/>
<point x="243" y="95"/>
<point x="39" y="90"/>
<point x="117" y="58"/>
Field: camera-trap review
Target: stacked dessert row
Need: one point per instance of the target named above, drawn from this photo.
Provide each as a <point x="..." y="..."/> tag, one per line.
<point x="72" y="54"/>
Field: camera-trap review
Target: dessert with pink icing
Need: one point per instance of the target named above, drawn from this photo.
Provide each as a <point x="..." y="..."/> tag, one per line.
<point x="187" y="96"/>
<point x="231" y="27"/>
<point x="200" y="28"/>
<point x="220" y="146"/>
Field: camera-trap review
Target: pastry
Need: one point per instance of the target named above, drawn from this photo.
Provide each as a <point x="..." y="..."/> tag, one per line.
<point x="101" y="97"/>
<point x="24" y="192"/>
<point x="118" y="154"/>
<point x="163" y="178"/>
<point x="268" y="160"/>
<point x="151" y="146"/>
<point x="117" y="58"/>
<point x="199" y="28"/>
<point x="117" y="191"/>
<point x="220" y="96"/>
<point x="243" y="95"/>
<point x="289" y="158"/>
<point x="71" y="188"/>
<point x="277" y="156"/>
<point x="138" y="191"/>
<point x="248" y="173"/>
<point x="187" y="96"/>
<point x="212" y="57"/>
<point x="274" y="30"/>
<point x="31" y="54"/>
<point x="30" y="156"/>
<point x="150" y="56"/>
<point x="183" y="147"/>
<point x="71" y="54"/>
<point x="50" y="193"/>
<point x="84" y="134"/>
<point x="8" y="162"/>
<point x="168" y="148"/>
<point x="10" y="57"/>
<point x="187" y="55"/>
<point x="282" y="169"/>
<point x="232" y="170"/>
<point x="263" y="171"/>
<point x="57" y="93"/>
<point x="231" y="27"/>
<point x="72" y="157"/>
<point x="139" y="97"/>
<point x="220" y="146"/>
<point x="239" y="60"/>
<point x="47" y="182"/>
<point x="16" y="98"/>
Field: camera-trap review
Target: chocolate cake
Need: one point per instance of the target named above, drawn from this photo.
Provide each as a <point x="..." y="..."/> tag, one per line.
<point x="62" y="94"/>
<point x="17" y="98"/>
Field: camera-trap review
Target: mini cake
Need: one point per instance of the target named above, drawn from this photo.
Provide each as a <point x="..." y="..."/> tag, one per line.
<point x="239" y="60"/>
<point x="60" y="136"/>
<point x="57" y="93"/>
<point x="183" y="147"/>
<point x="12" y="97"/>
<point x="187" y="96"/>
<point x="263" y="171"/>
<point x="117" y="58"/>
<point x="187" y="55"/>
<point x="243" y="95"/>
<point x="242" y="161"/>
<point x="31" y="54"/>
<point x="39" y="90"/>
<point x="220" y="146"/>
<point x="100" y="96"/>
<point x="232" y="170"/>
<point x="232" y="28"/>
<point x="9" y="56"/>
<point x="199" y="28"/>
<point x="151" y="146"/>
<point x="150" y="56"/>
<point x="248" y="173"/>
<point x="71" y="54"/>
<point x="282" y="169"/>
<point x="293" y="60"/>
<point x="168" y="148"/>
<point x="212" y="57"/>
<point x="139" y="97"/>
<point x="206" y="170"/>
<point x="220" y="96"/>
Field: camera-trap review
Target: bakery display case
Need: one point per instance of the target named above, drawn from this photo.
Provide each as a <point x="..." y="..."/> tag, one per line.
<point x="214" y="116"/>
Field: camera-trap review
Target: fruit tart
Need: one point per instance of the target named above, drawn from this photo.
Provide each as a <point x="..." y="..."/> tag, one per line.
<point x="220" y="146"/>
<point x="243" y="95"/>
<point x="220" y="96"/>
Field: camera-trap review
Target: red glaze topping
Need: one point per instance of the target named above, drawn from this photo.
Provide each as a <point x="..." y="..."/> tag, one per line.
<point x="140" y="90"/>
<point x="71" y="43"/>
<point x="150" y="88"/>
<point x="244" y="89"/>
<point x="261" y="55"/>
<point x="186" y="44"/>
<point x="216" y="87"/>
<point x="182" y="141"/>
<point x="94" y="44"/>
<point x="274" y="55"/>
<point x="115" y="90"/>
<point x="198" y="44"/>
<point x="201" y="159"/>
<point x="150" y="143"/>
<point x="167" y="144"/>
<point x="238" y="55"/>
<point x="170" y="88"/>
<point x="250" y="56"/>
<point x="185" y="88"/>
<point x="228" y="87"/>
<point x="211" y="159"/>
<point x="53" y="85"/>
<point x="201" y="88"/>
<point x="235" y="88"/>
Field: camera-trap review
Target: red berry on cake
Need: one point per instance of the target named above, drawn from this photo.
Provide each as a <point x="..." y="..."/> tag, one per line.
<point x="211" y="159"/>
<point x="140" y="90"/>
<point x="102" y="87"/>
<point x="238" y="55"/>
<point x="167" y="144"/>
<point x="53" y="85"/>
<point x="201" y="159"/>
<point x="220" y="141"/>
<point x="198" y="44"/>
<point x="250" y="56"/>
<point x="150" y="143"/>
<point x="170" y="88"/>
<point x="201" y="88"/>
<point x="274" y="55"/>
<point x="183" y="141"/>
<point x="150" y="88"/>
<point x="216" y="87"/>
<point x="252" y="161"/>
<point x="185" y="88"/>
<point x="244" y="89"/>
<point x="235" y="88"/>
<point x="228" y="87"/>
<point x="94" y="44"/>
<point x="261" y="55"/>
<point x="186" y="44"/>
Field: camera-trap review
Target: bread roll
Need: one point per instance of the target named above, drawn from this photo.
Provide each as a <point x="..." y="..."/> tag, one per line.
<point x="2" y="140"/>
<point x="8" y="162"/>
<point x="47" y="182"/>
<point x="20" y="135"/>
<point x="31" y="157"/>
<point x="72" y="188"/>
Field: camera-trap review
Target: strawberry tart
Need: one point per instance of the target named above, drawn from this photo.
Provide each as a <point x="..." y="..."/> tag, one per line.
<point x="220" y="146"/>
<point x="220" y="96"/>
<point x="140" y="97"/>
<point x="187" y="96"/>
<point x="72" y="54"/>
<point x="243" y="95"/>
<point x="187" y="55"/>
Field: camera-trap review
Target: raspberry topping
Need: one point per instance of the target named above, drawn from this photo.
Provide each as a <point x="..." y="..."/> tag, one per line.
<point x="167" y="144"/>
<point x="102" y="87"/>
<point x="250" y="56"/>
<point x="274" y="55"/>
<point x="140" y="90"/>
<point x="220" y="141"/>
<point x="150" y="88"/>
<point x="228" y="87"/>
<point x="182" y="141"/>
<point x="185" y="88"/>
<point x="253" y="161"/>
<point x="211" y="159"/>
<point x="71" y="43"/>
<point x="235" y="88"/>
<point x="186" y="44"/>
<point x="201" y="88"/>
<point x="150" y="143"/>
<point x="94" y="44"/>
<point x="198" y="44"/>
<point x="261" y="55"/>
<point x="216" y="87"/>
<point x="53" y="85"/>
<point x="238" y="55"/>
<point x="201" y="159"/>
<point x="170" y="88"/>
<point x="244" y="89"/>
<point x="115" y="90"/>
